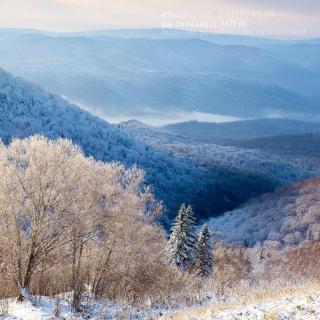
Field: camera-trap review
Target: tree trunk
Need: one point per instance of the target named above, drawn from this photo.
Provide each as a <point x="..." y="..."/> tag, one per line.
<point x="26" y="281"/>
<point x="23" y="295"/>
<point x="100" y="271"/>
<point x="77" y="281"/>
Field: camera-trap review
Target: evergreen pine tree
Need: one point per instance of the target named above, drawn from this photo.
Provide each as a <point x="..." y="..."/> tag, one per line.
<point x="204" y="260"/>
<point x="182" y="245"/>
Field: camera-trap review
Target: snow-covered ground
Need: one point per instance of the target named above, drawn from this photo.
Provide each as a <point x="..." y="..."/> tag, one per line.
<point x="305" y="307"/>
<point x="44" y="308"/>
<point x="298" y="308"/>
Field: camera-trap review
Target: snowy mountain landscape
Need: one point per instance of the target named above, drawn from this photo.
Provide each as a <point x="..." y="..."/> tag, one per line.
<point x="210" y="175"/>
<point x="150" y="170"/>
<point x="28" y="110"/>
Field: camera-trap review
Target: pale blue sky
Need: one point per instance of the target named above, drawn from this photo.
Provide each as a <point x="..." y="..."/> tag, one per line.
<point x="288" y="16"/>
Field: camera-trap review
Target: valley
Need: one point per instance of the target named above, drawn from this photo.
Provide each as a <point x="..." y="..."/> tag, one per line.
<point x="144" y="176"/>
<point x="179" y="168"/>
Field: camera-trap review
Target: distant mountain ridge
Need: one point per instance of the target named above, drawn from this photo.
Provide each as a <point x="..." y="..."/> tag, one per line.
<point x="135" y="72"/>
<point x="163" y="33"/>
<point x="294" y="146"/>
<point x="240" y="130"/>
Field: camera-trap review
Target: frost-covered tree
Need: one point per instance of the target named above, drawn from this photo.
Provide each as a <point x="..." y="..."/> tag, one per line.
<point x="58" y="206"/>
<point x="182" y="245"/>
<point x="204" y="259"/>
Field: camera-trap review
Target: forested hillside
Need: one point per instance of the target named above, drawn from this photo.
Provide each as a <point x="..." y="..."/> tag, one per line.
<point x="211" y="184"/>
<point x="287" y="217"/>
<point x="209" y="155"/>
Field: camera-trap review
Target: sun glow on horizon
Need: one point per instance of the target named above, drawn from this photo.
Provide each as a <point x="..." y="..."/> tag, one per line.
<point x="82" y="15"/>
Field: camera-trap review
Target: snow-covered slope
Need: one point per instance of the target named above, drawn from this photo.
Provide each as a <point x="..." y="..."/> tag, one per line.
<point x="288" y="216"/>
<point x="26" y="109"/>
<point x="138" y="73"/>
<point x="59" y="307"/>
<point x="303" y="307"/>
<point x="208" y="177"/>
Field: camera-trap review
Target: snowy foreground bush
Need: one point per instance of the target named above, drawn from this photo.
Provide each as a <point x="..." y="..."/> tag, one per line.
<point x="67" y="221"/>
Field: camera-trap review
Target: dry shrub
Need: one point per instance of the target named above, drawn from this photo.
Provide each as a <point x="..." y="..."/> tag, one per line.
<point x="68" y="222"/>
<point x="294" y="264"/>
<point x="304" y="261"/>
<point x="138" y="271"/>
<point x="231" y="266"/>
<point x="265" y="267"/>
<point x="245" y="276"/>
<point x="53" y="281"/>
<point x="7" y="286"/>
<point x="135" y="263"/>
<point x="156" y="285"/>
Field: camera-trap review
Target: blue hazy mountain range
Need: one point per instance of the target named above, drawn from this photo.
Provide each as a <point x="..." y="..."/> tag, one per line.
<point x="134" y="73"/>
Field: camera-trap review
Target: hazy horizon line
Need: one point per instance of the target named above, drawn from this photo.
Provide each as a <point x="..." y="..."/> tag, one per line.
<point x="199" y="33"/>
